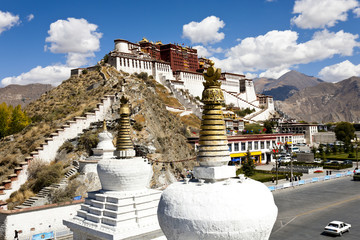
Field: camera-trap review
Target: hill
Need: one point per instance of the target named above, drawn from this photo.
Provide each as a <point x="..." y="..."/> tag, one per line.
<point x="286" y="85"/>
<point x="22" y="94"/>
<point x="325" y="102"/>
<point x="160" y="134"/>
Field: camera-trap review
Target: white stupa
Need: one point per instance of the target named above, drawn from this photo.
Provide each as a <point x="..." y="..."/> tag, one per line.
<point x="218" y="206"/>
<point x="104" y="149"/>
<point x="125" y="207"/>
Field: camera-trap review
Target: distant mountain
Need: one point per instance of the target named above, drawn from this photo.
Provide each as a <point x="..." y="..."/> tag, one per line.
<point x="286" y="85"/>
<point x="325" y="102"/>
<point x="22" y="94"/>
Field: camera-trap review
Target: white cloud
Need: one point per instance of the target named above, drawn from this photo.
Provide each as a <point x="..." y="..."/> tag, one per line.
<point x="356" y="11"/>
<point x="275" y="72"/>
<point x="251" y="75"/>
<point x="207" y="51"/>
<point x="53" y="75"/>
<point x="339" y="71"/>
<point x="206" y="31"/>
<point x="202" y="51"/>
<point x="8" y="20"/>
<point x="76" y="37"/>
<point x="321" y="13"/>
<point x="278" y="50"/>
<point x="30" y="17"/>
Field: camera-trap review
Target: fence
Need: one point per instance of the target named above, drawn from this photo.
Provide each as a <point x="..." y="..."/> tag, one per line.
<point x="310" y="180"/>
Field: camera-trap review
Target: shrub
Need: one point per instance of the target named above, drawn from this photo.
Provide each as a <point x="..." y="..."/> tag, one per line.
<point x="88" y="141"/>
<point x="44" y="176"/>
<point x="85" y="71"/>
<point x="66" y="146"/>
<point x="138" y="126"/>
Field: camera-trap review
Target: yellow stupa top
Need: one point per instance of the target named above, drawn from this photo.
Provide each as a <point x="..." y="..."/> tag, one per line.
<point x="124" y="142"/>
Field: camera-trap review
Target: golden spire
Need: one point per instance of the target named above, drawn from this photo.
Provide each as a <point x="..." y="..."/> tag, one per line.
<point x="124" y="142"/>
<point x="104" y="125"/>
<point x="213" y="148"/>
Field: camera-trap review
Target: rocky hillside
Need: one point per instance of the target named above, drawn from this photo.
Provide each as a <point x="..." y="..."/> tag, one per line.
<point x="286" y="85"/>
<point x="22" y="94"/>
<point x="325" y="102"/>
<point x="161" y="132"/>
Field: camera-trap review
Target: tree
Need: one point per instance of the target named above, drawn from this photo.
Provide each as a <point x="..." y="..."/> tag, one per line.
<point x="268" y="125"/>
<point x="5" y="115"/>
<point x="344" y="131"/>
<point x="19" y="120"/>
<point x="248" y="165"/>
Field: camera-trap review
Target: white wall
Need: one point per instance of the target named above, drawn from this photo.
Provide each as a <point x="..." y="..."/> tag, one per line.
<point x="39" y="218"/>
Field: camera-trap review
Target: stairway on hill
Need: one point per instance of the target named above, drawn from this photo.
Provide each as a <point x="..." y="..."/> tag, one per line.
<point x="42" y="197"/>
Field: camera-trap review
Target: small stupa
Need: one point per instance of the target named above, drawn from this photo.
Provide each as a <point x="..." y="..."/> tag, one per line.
<point x="125" y="207"/>
<point x="217" y="206"/>
<point x="104" y="149"/>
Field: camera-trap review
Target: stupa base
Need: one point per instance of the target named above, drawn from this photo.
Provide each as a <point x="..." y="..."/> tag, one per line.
<point x="116" y="215"/>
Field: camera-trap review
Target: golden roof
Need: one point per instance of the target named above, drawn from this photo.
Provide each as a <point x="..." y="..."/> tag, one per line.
<point x="144" y="40"/>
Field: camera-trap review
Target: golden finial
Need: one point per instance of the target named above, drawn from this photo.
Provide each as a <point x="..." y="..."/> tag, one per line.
<point x="123" y="139"/>
<point x="212" y="93"/>
<point x="104" y="125"/>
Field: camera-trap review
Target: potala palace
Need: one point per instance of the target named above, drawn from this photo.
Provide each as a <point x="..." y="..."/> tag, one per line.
<point x="179" y="67"/>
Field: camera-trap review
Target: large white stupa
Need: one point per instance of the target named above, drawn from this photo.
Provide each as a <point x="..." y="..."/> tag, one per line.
<point x="217" y="206"/>
<point x="125" y="207"/>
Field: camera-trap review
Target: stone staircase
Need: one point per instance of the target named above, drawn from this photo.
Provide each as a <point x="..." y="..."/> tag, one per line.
<point x="236" y="95"/>
<point x="185" y="100"/>
<point x="42" y="197"/>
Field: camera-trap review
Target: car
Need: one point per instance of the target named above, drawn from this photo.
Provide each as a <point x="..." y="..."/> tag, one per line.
<point x="337" y="228"/>
<point x="335" y="162"/>
<point x="356" y="176"/>
<point x="317" y="160"/>
<point x="347" y="162"/>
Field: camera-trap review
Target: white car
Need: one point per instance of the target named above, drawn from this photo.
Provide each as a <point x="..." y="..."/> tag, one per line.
<point x="337" y="228"/>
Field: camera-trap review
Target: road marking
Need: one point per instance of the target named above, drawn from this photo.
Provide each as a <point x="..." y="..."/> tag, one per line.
<point x="315" y="210"/>
<point x="328" y="206"/>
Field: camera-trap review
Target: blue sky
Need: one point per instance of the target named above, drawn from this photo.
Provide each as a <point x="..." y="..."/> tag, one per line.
<point x="41" y="40"/>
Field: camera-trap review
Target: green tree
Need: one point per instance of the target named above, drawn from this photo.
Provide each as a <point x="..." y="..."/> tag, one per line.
<point x="19" y="120"/>
<point x="5" y="117"/>
<point x="253" y="128"/>
<point x="248" y="165"/>
<point x="268" y="125"/>
<point x="335" y="149"/>
<point x="344" y="131"/>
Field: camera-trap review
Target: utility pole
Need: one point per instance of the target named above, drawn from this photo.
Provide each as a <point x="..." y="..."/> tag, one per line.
<point x="275" y="150"/>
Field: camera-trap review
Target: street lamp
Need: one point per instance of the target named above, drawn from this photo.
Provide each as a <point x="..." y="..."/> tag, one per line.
<point x="356" y="149"/>
<point x="275" y="151"/>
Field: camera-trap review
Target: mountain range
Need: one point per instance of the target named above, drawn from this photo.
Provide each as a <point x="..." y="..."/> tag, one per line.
<point x="22" y="94"/>
<point x="325" y="102"/>
<point x="286" y="85"/>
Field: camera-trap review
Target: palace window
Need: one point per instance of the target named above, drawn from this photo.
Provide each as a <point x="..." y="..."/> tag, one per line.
<point x="262" y="145"/>
<point x="243" y="146"/>
<point x="250" y="145"/>
<point x="236" y="147"/>
<point x="256" y="145"/>
<point x="230" y="150"/>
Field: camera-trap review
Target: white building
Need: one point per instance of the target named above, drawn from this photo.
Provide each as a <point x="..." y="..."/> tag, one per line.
<point x="129" y="57"/>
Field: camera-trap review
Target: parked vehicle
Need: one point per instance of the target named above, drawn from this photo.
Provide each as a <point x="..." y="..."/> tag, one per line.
<point x="356" y="176"/>
<point x="347" y="162"/>
<point x="337" y="228"/>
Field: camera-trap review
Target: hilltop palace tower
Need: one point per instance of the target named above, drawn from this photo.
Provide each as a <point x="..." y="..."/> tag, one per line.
<point x="205" y="209"/>
<point x="125" y="206"/>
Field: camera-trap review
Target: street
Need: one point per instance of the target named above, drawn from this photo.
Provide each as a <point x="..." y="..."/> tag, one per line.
<point x="305" y="211"/>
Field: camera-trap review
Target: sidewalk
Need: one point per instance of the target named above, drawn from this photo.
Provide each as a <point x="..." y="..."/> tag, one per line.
<point x="306" y="177"/>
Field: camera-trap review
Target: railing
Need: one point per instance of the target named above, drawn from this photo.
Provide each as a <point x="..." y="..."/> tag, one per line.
<point x="308" y="181"/>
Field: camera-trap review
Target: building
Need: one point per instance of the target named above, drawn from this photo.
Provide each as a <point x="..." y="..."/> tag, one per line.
<point x="260" y="146"/>
<point x="180" y="67"/>
<point x="304" y="128"/>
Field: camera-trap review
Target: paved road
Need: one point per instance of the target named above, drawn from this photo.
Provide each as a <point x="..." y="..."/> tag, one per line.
<point x="304" y="211"/>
